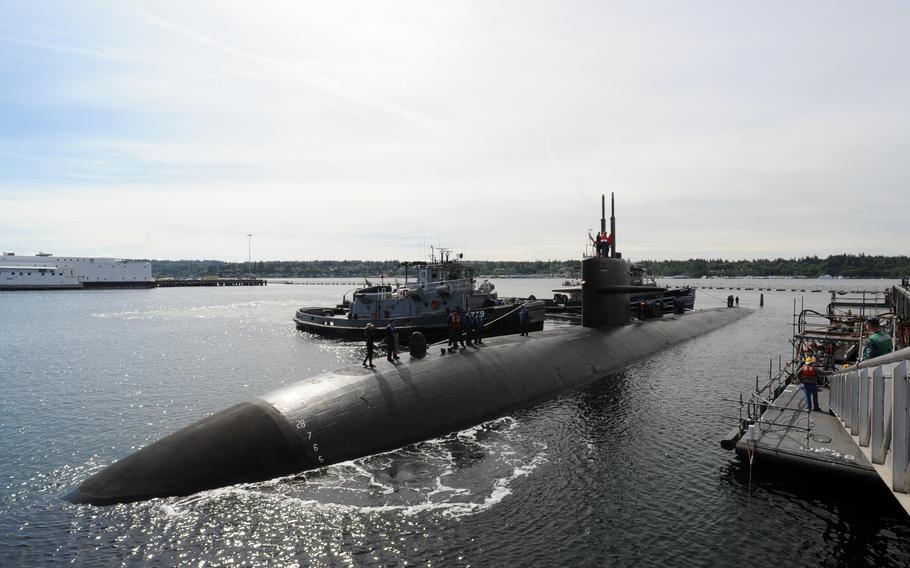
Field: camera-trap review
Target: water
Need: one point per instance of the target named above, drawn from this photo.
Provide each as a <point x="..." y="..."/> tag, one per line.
<point x="627" y="471"/>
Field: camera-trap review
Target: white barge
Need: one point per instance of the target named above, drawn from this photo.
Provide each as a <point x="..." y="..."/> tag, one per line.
<point x="44" y="271"/>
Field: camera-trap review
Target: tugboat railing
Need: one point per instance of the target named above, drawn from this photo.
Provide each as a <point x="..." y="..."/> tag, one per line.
<point x="454" y="286"/>
<point x="872" y="402"/>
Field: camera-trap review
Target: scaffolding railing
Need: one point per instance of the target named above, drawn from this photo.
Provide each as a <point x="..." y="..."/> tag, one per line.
<point x="762" y="398"/>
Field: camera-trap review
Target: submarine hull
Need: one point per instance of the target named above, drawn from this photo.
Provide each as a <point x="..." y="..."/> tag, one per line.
<point x="354" y="412"/>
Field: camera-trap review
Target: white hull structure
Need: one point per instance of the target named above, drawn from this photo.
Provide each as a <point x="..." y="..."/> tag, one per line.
<point x="46" y="272"/>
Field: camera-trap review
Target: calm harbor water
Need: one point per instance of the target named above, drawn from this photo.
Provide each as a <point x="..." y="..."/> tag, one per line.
<point x="625" y="472"/>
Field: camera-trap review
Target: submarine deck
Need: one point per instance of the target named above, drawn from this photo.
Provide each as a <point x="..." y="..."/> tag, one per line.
<point x="789" y="435"/>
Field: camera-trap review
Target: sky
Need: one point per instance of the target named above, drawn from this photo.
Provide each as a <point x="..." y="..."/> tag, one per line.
<point x="373" y="130"/>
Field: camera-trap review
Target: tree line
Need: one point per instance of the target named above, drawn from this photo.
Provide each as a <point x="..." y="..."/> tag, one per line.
<point x="846" y="265"/>
<point x="345" y="268"/>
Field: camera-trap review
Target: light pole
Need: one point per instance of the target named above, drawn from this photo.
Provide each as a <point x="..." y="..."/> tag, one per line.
<point x="249" y="254"/>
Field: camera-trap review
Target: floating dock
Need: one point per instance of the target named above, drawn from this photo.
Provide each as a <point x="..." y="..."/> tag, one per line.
<point x="787" y="433"/>
<point x="863" y="429"/>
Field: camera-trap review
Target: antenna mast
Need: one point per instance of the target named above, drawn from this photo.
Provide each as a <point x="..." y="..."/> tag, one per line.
<point x="612" y="225"/>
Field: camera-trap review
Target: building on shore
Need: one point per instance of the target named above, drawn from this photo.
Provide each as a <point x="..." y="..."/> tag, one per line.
<point x="44" y="271"/>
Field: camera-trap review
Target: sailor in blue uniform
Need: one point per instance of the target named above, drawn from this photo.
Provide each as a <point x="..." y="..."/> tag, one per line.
<point x="468" y="323"/>
<point x="370" y="337"/>
<point x="390" y="338"/>
<point x="523" y="318"/>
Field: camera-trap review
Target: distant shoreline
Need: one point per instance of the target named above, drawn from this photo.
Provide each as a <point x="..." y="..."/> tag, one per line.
<point x="836" y="266"/>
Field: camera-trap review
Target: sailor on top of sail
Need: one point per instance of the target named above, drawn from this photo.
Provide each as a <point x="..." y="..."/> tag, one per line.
<point x="602" y="242"/>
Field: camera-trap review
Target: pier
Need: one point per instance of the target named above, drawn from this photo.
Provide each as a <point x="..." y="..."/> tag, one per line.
<point x="180" y="282"/>
<point x="862" y="433"/>
<point x="863" y="430"/>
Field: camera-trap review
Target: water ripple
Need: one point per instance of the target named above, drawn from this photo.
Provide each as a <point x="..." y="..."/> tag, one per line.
<point x="626" y="471"/>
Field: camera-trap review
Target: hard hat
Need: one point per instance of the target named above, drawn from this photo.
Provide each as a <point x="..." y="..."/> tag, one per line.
<point x="810" y="359"/>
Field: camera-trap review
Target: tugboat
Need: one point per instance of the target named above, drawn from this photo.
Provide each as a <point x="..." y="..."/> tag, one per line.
<point x="443" y="286"/>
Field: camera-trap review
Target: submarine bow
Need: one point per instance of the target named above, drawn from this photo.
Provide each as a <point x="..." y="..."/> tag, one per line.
<point x="354" y="412"/>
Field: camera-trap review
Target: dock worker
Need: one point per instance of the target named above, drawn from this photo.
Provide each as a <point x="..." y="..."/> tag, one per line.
<point x="808" y="375"/>
<point x="370" y="337"/>
<point x="391" y="338"/>
<point x="879" y="342"/>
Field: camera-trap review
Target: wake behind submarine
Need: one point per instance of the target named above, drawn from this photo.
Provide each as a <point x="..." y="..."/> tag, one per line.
<point x="355" y="412"/>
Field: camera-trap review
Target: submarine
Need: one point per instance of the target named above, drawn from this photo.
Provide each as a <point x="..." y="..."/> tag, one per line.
<point x="354" y="412"/>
